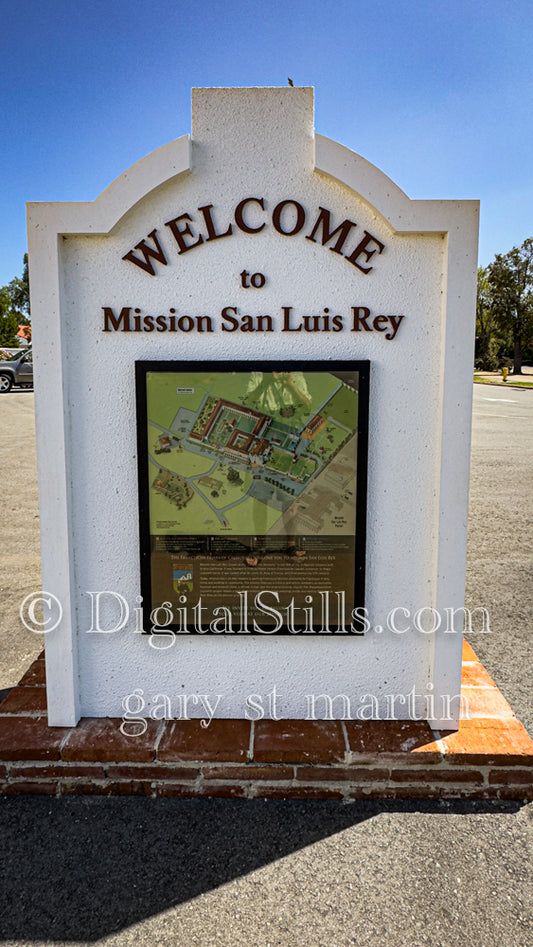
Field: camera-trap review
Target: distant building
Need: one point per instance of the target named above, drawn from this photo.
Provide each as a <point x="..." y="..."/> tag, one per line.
<point x="248" y="447"/>
<point x="24" y="335"/>
<point x="313" y="427"/>
<point x="319" y="505"/>
<point x="210" y="483"/>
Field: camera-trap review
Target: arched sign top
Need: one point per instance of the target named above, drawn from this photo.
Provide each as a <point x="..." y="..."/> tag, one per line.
<point x="176" y="158"/>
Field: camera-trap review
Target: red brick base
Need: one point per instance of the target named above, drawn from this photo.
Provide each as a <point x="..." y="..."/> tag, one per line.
<point x="489" y="757"/>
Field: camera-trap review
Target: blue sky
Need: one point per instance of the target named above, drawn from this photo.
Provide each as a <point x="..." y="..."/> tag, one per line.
<point x="436" y="94"/>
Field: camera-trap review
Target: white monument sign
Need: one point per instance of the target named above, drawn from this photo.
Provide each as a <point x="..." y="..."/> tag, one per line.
<point x="253" y="388"/>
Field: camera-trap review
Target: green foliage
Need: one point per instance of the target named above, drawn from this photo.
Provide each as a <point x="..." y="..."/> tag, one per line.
<point x="9" y="323"/>
<point x="19" y="291"/>
<point x="14" y="307"/>
<point x="510" y="282"/>
<point x="489" y="339"/>
<point x="504" y="310"/>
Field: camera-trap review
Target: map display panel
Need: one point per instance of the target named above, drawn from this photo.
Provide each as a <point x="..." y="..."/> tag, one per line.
<point x="256" y="473"/>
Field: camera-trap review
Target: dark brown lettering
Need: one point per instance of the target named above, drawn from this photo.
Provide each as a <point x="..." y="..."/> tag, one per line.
<point x="380" y="323"/>
<point x="113" y="323"/>
<point x="395" y="323"/>
<point x="361" y="248"/>
<point x="264" y="324"/>
<point x="180" y="234"/>
<point x="147" y="252"/>
<point x="360" y="315"/>
<point x="288" y="219"/>
<point x="300" y="218"/>
<point x="239" y="218"/>
<point x="323" y="220"/>
<point x="213" y="235"/>
<point x="204" y="321"/>
<point x="286" y="310"/>
<point x="233" y="323"/>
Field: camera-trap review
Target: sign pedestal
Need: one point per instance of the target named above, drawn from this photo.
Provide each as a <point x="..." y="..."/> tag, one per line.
<point x="488" y="758"/>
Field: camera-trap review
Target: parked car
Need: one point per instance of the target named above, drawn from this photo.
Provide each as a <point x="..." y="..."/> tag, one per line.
<point x="17" y="370"/>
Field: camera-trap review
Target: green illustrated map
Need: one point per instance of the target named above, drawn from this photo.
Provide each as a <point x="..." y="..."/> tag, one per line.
<point x="250" y="452"/>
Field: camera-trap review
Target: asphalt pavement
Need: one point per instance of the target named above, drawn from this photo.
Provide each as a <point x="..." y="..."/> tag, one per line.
<point x="499" y="573"/>
<point x="267" y="872"/>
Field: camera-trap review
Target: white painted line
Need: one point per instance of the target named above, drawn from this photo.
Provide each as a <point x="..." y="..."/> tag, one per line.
<point x="507" y="400"/>
<point x="517" y="417"/>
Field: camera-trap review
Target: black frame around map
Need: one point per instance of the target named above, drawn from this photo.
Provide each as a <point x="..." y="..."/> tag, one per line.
<point x="252" y="516"/>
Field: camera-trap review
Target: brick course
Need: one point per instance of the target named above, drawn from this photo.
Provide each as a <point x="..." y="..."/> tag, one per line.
<point x="489" y="757"/>
<point x="298" y="741"/>
<point x="226" y="740"/>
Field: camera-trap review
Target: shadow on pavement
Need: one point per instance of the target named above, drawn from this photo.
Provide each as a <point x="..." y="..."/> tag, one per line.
<point x="80" y="869"/>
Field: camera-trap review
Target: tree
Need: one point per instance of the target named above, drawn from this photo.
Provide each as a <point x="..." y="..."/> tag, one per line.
<point x="19" y="291"/>
<point x="14" y="307"/>
<point x="9" y="324"/>
<point x="486" y="325"/>
<point x="510" y="278"/>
